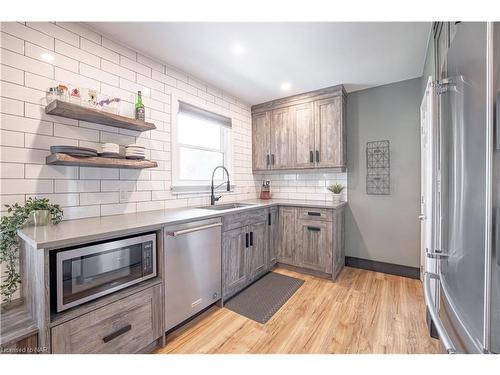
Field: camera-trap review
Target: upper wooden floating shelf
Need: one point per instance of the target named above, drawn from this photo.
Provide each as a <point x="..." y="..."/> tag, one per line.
<point x="78" y="112"/>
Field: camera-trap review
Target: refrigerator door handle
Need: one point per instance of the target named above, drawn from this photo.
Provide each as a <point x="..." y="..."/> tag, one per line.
<point x="443" y="335"/>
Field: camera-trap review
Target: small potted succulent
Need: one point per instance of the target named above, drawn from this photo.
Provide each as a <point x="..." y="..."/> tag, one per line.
<point x="36" y="211"/>
<point x="336" y="189"/>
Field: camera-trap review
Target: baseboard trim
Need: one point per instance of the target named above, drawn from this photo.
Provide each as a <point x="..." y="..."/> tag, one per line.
<point x="390" y="268"/>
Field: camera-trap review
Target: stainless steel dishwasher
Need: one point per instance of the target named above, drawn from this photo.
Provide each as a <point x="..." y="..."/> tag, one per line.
<point x="192" y="269"/>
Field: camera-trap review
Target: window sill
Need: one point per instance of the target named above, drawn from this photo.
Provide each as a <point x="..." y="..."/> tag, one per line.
<point x="198" y="189"/>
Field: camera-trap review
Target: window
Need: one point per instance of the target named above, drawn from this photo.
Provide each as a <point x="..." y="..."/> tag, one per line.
<point x="201" y="141"/>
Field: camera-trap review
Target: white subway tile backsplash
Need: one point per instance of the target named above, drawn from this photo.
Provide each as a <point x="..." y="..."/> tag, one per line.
<point x="76" y="186"/>
<point x="10" y="74"/>
<point x="24" y="124"/>
<point x="55" y="31"/>
<point x="83" y="58"/>
<point x="10" y="138"/>
<point x="60" y="61"/>
<point x="135" y="66"/>
<point x="51" y="171"/>
<point x="12" y="170"/>
<point x="77" y="53"/>
<point x="117" y="47"/>
<point x="100" y="51"/>
<point x="19" y="186"/>
<point x="27" y="64"/>
<point x="99" y="198"/>
<point x="26" y="33"/>
<point x="99" y="75"/>
<point x="12" y="43"/>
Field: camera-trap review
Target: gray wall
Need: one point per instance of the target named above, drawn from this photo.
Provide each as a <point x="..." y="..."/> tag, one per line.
<point x="385" y="228"/>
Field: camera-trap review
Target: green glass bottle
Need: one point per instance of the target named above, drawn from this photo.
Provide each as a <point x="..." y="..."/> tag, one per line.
<point x="139" y="108"/>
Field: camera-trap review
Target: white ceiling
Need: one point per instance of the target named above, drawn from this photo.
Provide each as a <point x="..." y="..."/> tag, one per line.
<point x="307" y="55"/>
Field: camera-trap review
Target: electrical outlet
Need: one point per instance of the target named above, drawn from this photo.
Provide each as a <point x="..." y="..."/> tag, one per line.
<point x="124" y="195"/>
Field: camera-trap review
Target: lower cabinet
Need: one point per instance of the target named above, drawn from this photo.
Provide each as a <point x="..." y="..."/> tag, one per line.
<point x="312" y="239"/>
<point x="245" y="255"/>
<point x="273" y="232"/>
<point x="125" y="326"/>
<point x="313" y="248"/>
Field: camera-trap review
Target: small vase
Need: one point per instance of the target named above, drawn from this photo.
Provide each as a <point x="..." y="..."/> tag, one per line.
<point x="40" y="218"/>
<point x="336" y="198"/>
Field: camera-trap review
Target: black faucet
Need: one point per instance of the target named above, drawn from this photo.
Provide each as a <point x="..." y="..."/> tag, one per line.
<point x="213" y="198"/>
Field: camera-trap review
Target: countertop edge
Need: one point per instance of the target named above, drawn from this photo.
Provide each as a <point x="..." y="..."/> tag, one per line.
<point x="257" y="204"/>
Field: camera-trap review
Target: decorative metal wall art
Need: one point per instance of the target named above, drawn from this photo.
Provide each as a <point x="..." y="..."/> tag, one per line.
<point x="378" y="168"/>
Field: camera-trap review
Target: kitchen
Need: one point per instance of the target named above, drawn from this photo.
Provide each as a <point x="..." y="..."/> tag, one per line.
<point x="206" y="201"/>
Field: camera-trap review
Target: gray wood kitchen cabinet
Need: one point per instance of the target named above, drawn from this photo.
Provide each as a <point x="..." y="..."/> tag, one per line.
<point x="300" y="131"/>
<point x="283" y="150"/>
<point x="261" y="140"/>
<point x="286" y="231"/>
<point x="312" y="239"/>
<point x="258" y="250"/>
<point x="329" y="132"/>
<point x="234" y="260"/>
<point x="245" y="250"/>
<point x="273" y="232"/>
<point x="314" y="245"/>
<point x="124" y="326"/>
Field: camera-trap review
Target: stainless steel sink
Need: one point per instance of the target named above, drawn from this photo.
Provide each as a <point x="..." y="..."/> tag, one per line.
<point x="228" y="206"/>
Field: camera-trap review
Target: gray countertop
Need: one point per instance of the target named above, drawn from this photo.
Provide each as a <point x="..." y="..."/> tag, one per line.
<point x="72" y="232"/>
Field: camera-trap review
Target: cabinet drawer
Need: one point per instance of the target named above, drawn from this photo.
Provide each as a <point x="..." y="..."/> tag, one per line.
<point x="124" y="326"/>
<point x="241" y="219"/>
<point x="321" y="214"/>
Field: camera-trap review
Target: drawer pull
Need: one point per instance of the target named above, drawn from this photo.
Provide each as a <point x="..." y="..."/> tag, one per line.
<point x="267" y="159"/>
<point x="317" y="156"/>
<point x="269" y="219"/>
<point x="117" y="333"/>
<point x="314" y="213"/>
<point x="251" y="238"/>
<point x="311" y="157"/>
<point x="314" y="229"/>
<point x="246" y="239"/>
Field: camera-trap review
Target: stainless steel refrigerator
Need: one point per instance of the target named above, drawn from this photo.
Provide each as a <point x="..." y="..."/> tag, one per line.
<point x="465" y="267"/>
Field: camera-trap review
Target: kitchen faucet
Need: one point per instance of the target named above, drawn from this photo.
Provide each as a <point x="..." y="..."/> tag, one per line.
<point x="213" y="198"/>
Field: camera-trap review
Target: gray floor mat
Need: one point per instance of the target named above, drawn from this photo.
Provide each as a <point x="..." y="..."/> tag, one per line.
<point x="261" y="300"/>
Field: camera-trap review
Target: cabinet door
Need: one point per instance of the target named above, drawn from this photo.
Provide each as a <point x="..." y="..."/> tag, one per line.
<point x="303" y="125"/>
<point x="273" y="231"/>
<point x="329" y="132"/>
<point x="233" y="260"/>
<point x="314" y="245"/>
<point x="287" y="235"/>
<point x="282" y="139"/>
<point x="261" y="143"/>
<point x="257" y="253"/>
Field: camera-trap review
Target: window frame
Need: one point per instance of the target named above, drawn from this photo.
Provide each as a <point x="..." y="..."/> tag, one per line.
<point x="179" y="186"/>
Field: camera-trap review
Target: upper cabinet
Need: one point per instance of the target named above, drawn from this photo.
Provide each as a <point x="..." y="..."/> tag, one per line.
<point x="301" y="131"/>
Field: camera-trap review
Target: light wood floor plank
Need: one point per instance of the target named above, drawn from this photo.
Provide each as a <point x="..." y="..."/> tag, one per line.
<point x="362" y="312"/>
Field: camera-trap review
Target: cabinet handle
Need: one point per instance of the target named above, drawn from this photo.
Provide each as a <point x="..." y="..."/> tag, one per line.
<point x="267" y="159"/>
<point x="314" y="213"/>
<point x="314" y="229"/>
<point x="251" y="238"/>
<point x="269" y="219"/>
<point x="246" y="239"/>
<point x="317" y="156"/>
<point x="272" y="159"/>
<point x="117" y="333"/>
<point x="311" y="157"/>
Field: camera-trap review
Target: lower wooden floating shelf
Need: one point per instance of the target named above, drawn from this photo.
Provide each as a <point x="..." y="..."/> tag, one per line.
<point x="96" y="161"/>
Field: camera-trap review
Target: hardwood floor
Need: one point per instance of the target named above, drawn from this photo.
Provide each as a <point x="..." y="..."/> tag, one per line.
<point x="362" y="312"/>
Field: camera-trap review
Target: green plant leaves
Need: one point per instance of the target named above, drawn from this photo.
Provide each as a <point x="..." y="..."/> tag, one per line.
<point x="9" y="245"/>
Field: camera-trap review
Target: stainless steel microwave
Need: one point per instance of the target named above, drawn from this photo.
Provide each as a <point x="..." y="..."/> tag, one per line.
<point x="85" y="273"/>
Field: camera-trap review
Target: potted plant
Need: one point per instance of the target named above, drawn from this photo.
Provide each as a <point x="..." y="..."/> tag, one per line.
<point x="36" y="211"/>
<point x="336" y="189"/>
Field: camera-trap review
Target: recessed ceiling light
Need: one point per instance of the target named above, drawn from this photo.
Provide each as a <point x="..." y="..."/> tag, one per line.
<point x="238" y="49"/>
<point x="47" y="57"/>
<point x="285" y="86"/>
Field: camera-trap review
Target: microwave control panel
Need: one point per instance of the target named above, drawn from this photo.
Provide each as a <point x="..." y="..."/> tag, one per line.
<point x="147" y="258"/>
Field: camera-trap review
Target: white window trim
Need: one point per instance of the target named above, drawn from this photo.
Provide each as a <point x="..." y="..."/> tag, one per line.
<point x="180" y="187"/>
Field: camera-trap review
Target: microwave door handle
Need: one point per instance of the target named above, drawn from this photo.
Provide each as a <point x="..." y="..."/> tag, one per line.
<point x="436" y="319"/>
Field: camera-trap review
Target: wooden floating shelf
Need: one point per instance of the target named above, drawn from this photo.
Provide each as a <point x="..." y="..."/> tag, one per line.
<point x="78" y="112"/>
<point x="96" y="161"/>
